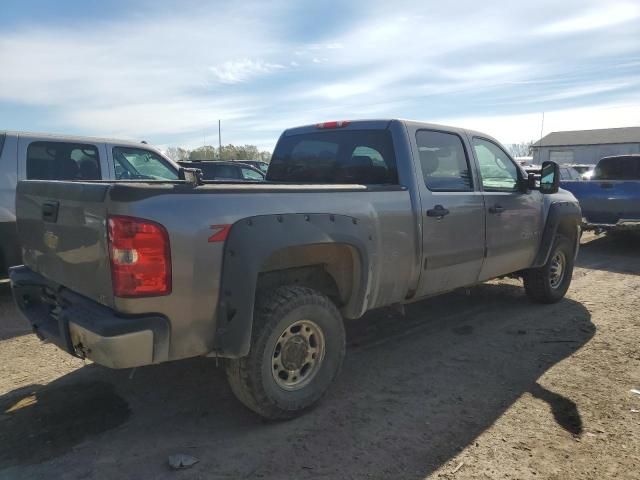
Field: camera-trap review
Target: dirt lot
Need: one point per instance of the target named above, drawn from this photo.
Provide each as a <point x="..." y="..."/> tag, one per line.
<point x="478" y="384"/>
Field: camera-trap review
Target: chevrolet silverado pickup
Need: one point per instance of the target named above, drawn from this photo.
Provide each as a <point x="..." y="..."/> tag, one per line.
<point x="353" y="216"/>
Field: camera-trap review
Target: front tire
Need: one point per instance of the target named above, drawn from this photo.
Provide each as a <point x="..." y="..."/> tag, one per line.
<point x="297" y="348"/>
<point x="549" y="283"/>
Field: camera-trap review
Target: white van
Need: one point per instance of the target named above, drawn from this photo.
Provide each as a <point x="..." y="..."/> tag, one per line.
<point x="59" y="157"/>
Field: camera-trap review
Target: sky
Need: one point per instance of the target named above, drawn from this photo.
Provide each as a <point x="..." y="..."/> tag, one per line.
<point x="165" y="71"/>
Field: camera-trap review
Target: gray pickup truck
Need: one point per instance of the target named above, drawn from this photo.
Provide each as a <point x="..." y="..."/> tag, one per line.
<point x="353" y="216"/>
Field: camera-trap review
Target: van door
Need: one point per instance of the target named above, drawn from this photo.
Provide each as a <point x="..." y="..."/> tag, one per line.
<point x="452" y="212"/>
<point x="513" y="217"/>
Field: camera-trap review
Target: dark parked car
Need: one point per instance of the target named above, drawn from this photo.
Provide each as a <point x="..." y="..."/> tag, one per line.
<point x="216" y="170"/>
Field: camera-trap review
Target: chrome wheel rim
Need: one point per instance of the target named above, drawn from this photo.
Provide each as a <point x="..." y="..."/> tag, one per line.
<point x="297" y="355"/>
<point x="557" y="269"/>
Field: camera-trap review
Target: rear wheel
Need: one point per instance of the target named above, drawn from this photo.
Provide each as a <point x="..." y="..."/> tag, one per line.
<point x="549" y="283"/>
<point x="298" y="344"/>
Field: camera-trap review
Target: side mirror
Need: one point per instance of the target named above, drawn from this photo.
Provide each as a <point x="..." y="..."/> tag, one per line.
<point x="549" y="177"/>
<point x="191" y="175"/>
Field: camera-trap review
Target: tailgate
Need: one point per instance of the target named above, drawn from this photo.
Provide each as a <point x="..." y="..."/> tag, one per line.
<point x="607" y="201"/>
<point x="62" y="229"/>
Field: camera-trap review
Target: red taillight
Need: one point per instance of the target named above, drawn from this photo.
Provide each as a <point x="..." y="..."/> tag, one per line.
<point x="340" y="124"/>
<point x="140" y="257"/>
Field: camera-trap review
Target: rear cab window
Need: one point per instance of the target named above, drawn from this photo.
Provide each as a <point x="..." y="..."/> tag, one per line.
<point x="132" y="163"/>
<point x="618" y="168"/>
<point x="62" y="161"/>
<point x="362" y="157"/>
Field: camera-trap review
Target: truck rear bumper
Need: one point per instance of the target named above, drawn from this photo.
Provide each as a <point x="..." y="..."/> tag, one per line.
<point x="85" y="328"/>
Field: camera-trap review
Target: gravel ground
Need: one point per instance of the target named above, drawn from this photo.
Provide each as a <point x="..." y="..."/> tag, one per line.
<point x="470" y="385"/>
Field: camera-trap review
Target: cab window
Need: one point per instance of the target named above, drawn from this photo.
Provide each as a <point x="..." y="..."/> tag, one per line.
<point x="62" y="161"/>
<point x="497" y="170"/>
<point x="443" y="161"/>
<point x="140" y="164"/>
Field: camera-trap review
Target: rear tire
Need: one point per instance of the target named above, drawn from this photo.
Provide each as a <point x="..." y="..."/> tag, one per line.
<point x="549" y="283"/>
<point x="297" y="348"/>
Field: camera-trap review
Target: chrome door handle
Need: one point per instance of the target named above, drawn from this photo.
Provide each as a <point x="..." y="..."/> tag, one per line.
<point x="496" y="209"/>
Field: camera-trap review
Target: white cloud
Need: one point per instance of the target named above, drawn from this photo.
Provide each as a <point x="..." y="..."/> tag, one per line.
<point x="526" y="126"/>
<point x="180" y="115"/>
<point x="607" y="15"/>
<point x="238" y="71"/>
<point x="583" y="91"/>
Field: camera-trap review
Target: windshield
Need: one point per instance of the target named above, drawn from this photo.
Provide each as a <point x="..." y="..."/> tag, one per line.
<point x="348" y="156"/>
<point x="618" y="168"/>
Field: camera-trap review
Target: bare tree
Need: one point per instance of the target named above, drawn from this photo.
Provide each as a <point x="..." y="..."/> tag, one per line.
<point x="178" y="153"/>
<point x="227" y="153"/>
<point x="206" y="152"/>
<point x="522" y="149"/>
<point x="265" y="156"/>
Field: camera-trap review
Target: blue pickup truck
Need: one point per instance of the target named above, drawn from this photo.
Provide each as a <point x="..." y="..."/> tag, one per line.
<point x="610" y="201"/>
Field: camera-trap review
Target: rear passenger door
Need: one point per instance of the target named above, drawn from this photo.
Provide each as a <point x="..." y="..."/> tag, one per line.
<point x="49" y="159"/>
<point x="452" y="212"/>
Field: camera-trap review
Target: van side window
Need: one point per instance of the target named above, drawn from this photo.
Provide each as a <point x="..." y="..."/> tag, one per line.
<point x="62" y="161"/>
<point x="444" y="162"/>
<point x="497" y="170"/>
<point x="137" y="163"/>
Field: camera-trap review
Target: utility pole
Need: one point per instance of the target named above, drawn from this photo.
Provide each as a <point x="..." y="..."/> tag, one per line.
<point x="219" y="140"/>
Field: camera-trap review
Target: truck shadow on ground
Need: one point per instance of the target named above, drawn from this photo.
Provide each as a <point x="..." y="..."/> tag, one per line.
<point x="611" y="253"/>
<point x="414" y="391"/>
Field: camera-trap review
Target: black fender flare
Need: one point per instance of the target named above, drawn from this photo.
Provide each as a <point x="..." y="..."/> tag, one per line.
<point x="252" y="240"/>
<point x="560" y="213"/>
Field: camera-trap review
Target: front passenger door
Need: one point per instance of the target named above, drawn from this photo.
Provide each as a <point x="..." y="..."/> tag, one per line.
<point x="513" y="216"/>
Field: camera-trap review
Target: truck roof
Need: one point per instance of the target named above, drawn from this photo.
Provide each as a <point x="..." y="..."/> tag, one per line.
<point x="381" y="124"/>
<point x="75" y="138"/>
